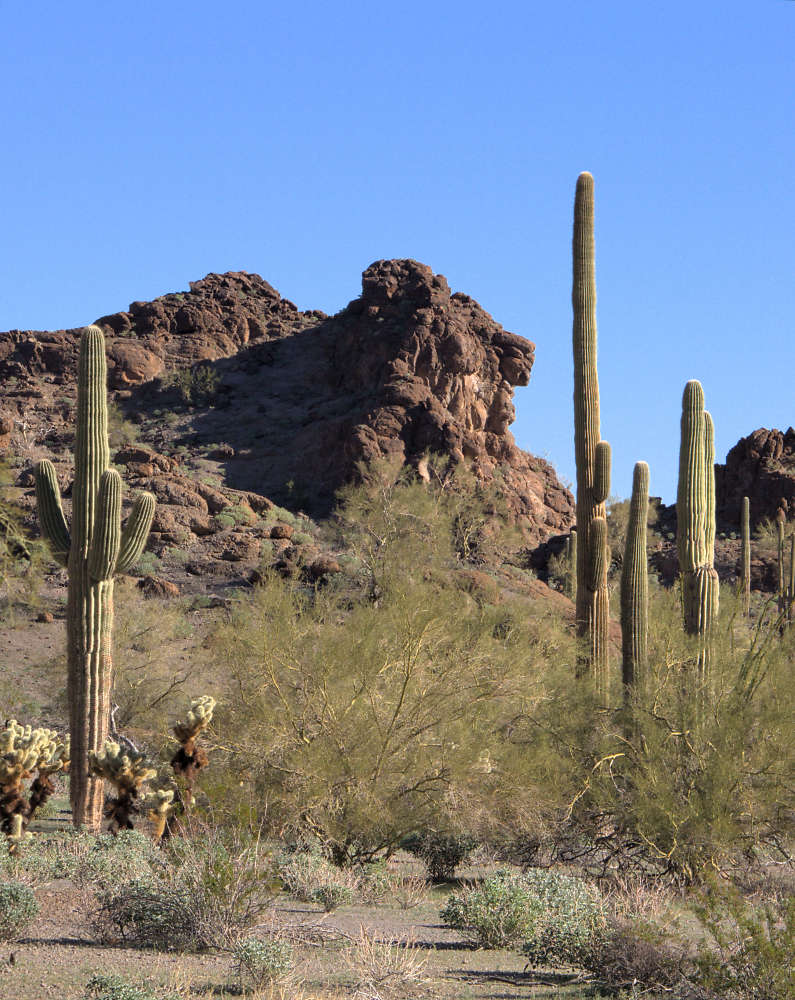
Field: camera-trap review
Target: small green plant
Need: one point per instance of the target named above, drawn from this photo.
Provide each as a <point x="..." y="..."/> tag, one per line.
<point x="196" y="386"/>
<point x="332" y="895"/>
<point x="18" y="908"/>
<point x="262" y="960"/>
<point x="441" y="852"/>
<point x="102" y="987"/>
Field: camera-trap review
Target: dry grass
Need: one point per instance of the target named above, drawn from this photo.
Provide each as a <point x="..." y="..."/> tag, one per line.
<point x="381" y="969"/>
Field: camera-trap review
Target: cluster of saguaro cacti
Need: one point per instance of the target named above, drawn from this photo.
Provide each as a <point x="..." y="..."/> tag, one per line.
<point x="745" y="556"/>
<point x="27" y="754"/>
<point x="126" y="768"/>
<point x="592" y="454"/>
<point x="695" y="514"/>
<point x="95" y="550"/>
<point x="635" y="583"/>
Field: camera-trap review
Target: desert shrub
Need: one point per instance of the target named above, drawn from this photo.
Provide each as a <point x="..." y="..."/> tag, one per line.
<point x="630" y="952"/>
<point x="381" y="969"/>
<point x="112" y="987"/>
<point x="331" y="896"/>
<point x="312" y="878"/>
<point x="496" y="914"/>
<point x="148" y="914"/>
<point x="209" y="891"/>
<point x="441" y="852"/>
<point x="551" y="916"/>
<point x="197" y="386"/>
<point x="749" y="951"/>
<point x="86" y="859"/>
<point x="18" y="908"/>
<point x="262" y="960"/>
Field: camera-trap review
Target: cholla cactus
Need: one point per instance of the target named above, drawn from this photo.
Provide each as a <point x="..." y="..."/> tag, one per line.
<point x="25" y="751"/>
<point x="17" y="836"/>
<point x="160" y="803"/>
<point x="126" y="769"/>
<point x="190" y="758"/>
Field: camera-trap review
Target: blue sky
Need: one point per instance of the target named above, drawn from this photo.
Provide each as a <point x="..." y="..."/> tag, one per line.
<point x="147" y="144"/>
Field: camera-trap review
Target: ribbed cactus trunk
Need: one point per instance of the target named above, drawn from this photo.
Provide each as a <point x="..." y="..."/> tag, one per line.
<point x="745" y="556"/>
<point x="782" y="589"/>
<point x="791" y="583"/>
<point x="635" y="585"/>
<point x="695" y="516"/>
<point x="94" y="551"/>
<point x="592" y="455"/>
<point x="571" y="564"/>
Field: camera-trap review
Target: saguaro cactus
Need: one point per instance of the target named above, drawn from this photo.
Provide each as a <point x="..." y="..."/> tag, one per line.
<point x="635" y="583"/>
<point x="94" y="551"/>
<point x="695" y="514"/>
<point x="592" y="455"/>
<point x="745" y="556"/>
<point x="782" y="588"/>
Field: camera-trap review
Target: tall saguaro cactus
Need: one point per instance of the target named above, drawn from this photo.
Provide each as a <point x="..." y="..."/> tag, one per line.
<point x="95" y="550"/>
<point x="635" y="583"/>
<point x="592" y="455"/>
<point x="695" y="514"/>
<point x="745" y="556"/>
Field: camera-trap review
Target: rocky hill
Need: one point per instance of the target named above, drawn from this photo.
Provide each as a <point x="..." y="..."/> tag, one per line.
<point x="228" y="397"/>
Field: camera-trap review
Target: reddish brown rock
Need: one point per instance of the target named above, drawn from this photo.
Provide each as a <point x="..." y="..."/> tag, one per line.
<point x="153" y="586"/>
<point x="760" y="466"/>
<point x="131" y="364"/>
<point x="281" y="531"/>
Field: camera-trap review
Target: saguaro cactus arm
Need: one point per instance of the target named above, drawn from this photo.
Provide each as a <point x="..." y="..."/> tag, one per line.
<point x="136" y="531"/>
<point x="53" y="522"/>
<point x="105" y="544"/>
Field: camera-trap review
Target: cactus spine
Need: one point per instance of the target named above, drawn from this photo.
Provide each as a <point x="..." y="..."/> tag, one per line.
<point x="94" y="551"/>
<point x="592" y="455"/>
<point x="635" y="584"/>
<point x="695" y="515"/>
<point x="745" y="580"/>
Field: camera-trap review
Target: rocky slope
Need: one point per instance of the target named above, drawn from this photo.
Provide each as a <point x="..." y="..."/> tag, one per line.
<point x="238" y="400"/>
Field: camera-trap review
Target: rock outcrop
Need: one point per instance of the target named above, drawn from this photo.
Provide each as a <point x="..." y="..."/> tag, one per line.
<point x="761" y="467"/>
<point x="296" y="401"/>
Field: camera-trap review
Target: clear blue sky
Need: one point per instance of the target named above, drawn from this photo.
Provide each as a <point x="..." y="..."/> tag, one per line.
<point x="147" y="144"/>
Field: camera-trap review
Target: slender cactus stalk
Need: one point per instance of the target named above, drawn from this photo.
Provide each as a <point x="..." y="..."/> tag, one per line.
<point x="695" y="515"/>
<point x="635" y="584"/>
<point x="94" y="551"/>
<point x="745" y="557"/>
<point x="592" y="455"/>
<point x="782" y="590"/>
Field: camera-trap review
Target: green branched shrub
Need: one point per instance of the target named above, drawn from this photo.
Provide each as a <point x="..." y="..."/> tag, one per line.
<point x="197" y="386"/>
<point x="749" y="950"/>
<point x="260" y="961"/>
<point x="441" y="852"/>
<point x="112" y="987"/>
<point x="552" y="917"/>
<point x="18" y="909"/>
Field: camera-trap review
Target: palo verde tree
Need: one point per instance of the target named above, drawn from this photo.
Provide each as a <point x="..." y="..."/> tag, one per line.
<point x="94" y="551"/>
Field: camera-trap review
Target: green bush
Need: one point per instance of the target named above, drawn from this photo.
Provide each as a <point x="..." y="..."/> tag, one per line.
<point x="102" y="987"/>
<point x="552" y="917"/>
<point x="496" y="914"/>
<point x="262" y="960"/>
<point x="18" y="908"/>
<point x="196" y="386"/>
<point x="749" y="951"/>
<point x="441" y="852"/>
<point x="332" y="896"/>
<point x="209" y="890"/>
